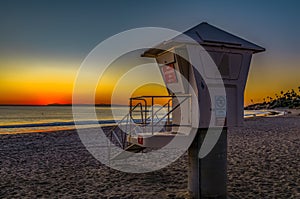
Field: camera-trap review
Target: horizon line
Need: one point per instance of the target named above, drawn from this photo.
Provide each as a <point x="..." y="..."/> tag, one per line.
<point x="57" y="104"/>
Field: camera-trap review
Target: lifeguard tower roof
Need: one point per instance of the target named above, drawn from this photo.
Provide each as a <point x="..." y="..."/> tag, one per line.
<point x="206" y="35"/>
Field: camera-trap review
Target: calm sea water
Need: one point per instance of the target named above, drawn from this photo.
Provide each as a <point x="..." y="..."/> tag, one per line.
<point x="26" y="119"/>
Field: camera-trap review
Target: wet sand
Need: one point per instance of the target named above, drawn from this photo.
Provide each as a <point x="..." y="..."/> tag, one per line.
<point x="263" y="162"/>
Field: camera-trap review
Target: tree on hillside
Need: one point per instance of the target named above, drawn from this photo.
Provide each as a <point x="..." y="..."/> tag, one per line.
<point x="290" y="99"/>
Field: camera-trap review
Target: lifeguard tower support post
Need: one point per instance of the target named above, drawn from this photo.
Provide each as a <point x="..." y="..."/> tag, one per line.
<point x="232" y="56"/>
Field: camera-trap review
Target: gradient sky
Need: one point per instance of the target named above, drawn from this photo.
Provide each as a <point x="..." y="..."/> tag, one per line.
<point x="42" y="43"/>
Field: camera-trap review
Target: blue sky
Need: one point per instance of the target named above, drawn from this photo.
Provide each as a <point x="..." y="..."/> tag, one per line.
<point x="75" y="27"/>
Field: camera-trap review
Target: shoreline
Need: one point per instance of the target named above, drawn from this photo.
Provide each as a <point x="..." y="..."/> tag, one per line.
<point x="61" y="126"/>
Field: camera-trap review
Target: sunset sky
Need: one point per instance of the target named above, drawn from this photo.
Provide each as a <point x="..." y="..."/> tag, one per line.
<point x="42" y="43"/>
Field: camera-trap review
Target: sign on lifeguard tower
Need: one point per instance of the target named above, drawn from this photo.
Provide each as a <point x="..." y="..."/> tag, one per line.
<point x="169" y="74"/>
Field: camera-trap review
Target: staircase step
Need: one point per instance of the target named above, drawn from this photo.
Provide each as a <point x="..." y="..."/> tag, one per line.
<point x="133" y="148"/>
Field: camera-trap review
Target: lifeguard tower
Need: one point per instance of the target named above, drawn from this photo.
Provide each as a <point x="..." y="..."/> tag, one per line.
<point x="156" y="126"/>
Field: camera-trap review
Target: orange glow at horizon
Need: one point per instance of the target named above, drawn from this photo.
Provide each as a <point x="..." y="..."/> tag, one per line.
<point x="145" y="90"/>
<point x="118" y="84"/>
<point x="270" y="77"/>
<point x="32" y="82"/>
<point x="35" y="85"/>
<point x="152" y="90"/>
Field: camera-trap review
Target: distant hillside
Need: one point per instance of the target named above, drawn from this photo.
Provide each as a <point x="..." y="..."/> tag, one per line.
<point x="288" y="99"/>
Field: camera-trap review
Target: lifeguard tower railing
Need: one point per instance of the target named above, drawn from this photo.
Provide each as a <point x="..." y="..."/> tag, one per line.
<point x="147" y="116"/>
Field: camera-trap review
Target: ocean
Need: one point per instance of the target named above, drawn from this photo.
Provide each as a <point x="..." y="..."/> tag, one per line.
<point x="29" y="119"/>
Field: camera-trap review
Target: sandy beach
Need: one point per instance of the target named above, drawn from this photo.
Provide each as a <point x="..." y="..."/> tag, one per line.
<point x="263" y="162"/>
